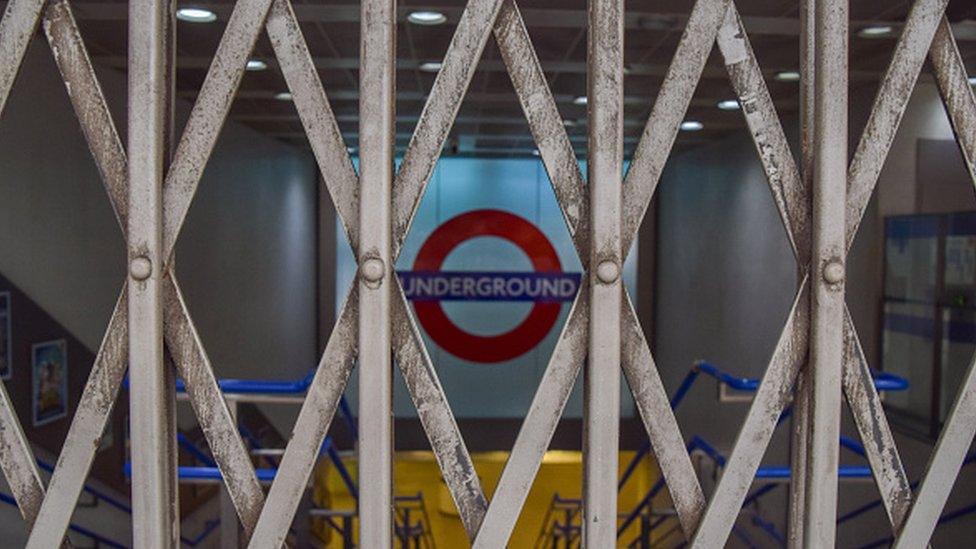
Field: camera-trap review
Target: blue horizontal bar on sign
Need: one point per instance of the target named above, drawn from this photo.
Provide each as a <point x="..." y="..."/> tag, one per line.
<point x="206" y="473"/>
<point x="539" y="287"/>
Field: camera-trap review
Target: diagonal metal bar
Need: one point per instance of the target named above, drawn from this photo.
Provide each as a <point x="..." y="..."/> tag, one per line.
<point x="435" y="415"/>
<point x="943" y="467"/>
<point x="17" y="27"/>
<point x="771" y="399"/>
<point x="546" y="125"/>
<point x="435" y="122"/>
<point x="662" y="427"/>
<point x="959" y="429"/>
<point x="869" y="416"/>
<point x="537" y="102"/>
<point x="784" y="179"/>
<point x="316" y="115"/>
<point x="310" y="429"/>
<point x="89" y="103"/>
<point x="17" y="461"/>
<point x="208" y="115"/>
<point x="889" y="106"/>
<point x="101" y="389"/>
<point x="216" y="421"/>
<point x="957" y="92"/>
<point x="537" y="428"/>
<point x="87" y="427"/>
<point x="668" y="112"/>
<point x="424" y="149"/>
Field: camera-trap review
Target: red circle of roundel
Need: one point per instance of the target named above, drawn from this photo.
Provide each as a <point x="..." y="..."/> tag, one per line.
<point x="530" y="331"/>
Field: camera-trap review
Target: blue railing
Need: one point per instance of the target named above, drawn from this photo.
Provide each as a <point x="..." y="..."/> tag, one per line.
<point x="209" y="471"/>
<point x="883" y="381"/>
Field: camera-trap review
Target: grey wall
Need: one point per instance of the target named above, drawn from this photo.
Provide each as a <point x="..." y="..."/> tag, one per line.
<point x="246" y="258"/>
<point x="726" y="279"/>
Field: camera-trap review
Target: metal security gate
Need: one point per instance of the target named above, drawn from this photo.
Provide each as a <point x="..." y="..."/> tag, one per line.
<point x="817" y="360"/>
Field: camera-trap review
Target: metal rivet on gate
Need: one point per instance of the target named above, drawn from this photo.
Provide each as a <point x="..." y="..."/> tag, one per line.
<point x="373" y="269"/>
<point x="140" y="268"/>
<point x="607" y="271"/>
<point x="833" y="272"/>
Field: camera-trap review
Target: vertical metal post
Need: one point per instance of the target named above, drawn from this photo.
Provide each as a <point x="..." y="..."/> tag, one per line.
<point x="828" y="258"/>
<point x="377" y="123"/>
<point x="801" y="401"/>
<point x="605" y="167"/>
<point x="154" y="490"/>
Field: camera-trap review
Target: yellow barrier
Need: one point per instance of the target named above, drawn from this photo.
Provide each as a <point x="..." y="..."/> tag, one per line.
<point x="417" y="472"/>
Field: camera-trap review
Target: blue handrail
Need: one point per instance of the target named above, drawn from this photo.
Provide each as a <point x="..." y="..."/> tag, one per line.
<point x="273" y="387"/>
<point x="737" y="383"/>
<point x="767" y="472"/>
<point x="259" y="386"/>
<point x="188" y="472"/>
<point x="883" y="381"/>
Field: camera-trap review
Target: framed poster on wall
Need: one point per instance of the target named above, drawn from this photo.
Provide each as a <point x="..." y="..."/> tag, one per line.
<point x="49" y="385"/>
<point x="6" y="345"/>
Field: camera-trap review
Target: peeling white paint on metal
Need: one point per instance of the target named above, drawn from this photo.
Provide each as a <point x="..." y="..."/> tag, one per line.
<point x="209" y="113"/>
<point x="772" y="397"/>
<point x="668" y="112"/>
<point x="458" y="67"/>
<point x="889" y="106"/>
<point x="316" y="115"/>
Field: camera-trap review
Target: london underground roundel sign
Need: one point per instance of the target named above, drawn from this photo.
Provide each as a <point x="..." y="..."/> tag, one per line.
<point x="547" y="286"/>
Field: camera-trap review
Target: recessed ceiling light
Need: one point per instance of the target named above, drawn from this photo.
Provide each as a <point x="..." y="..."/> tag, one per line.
<point x="426" y="17"/>
<point x="691" y="125"/>
<point x="972" y="80"/>
<point x="875" y="31"/>
<point x="430" y="66"/>
<point x="788" y="76"/>
<point x="283" y="96"/>
<point x="581" y="100"/>
<point x="535" y="152"/>
<point x="351" y="150"/>
<point x="569" y="123"/>
<point x="256" y="65"/>
<point x="728" y="104"/>
<point x="196" y="15"/>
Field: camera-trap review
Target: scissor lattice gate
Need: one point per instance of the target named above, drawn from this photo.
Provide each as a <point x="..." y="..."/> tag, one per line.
<point x="821" y="204"/>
